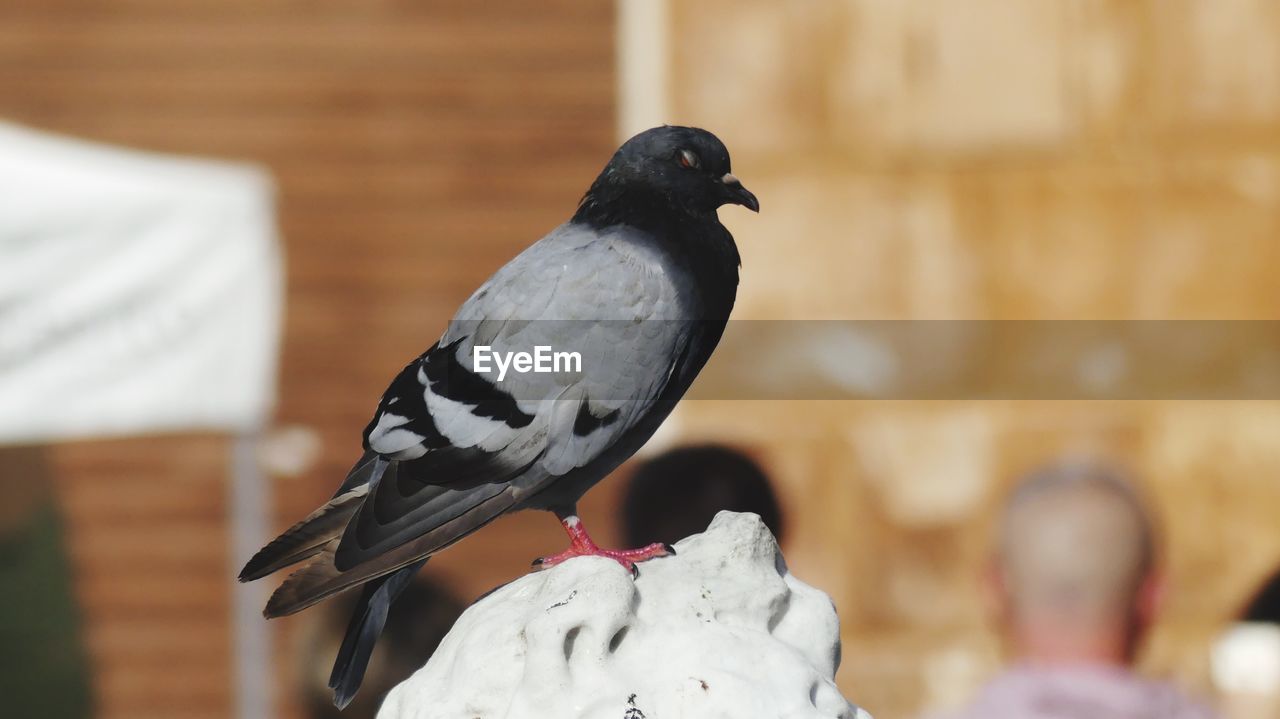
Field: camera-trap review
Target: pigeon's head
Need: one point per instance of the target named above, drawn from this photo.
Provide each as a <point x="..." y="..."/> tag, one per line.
<point x="686" y="166"/>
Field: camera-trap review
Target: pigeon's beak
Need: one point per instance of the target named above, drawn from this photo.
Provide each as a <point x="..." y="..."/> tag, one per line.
<point x="737" y="194"/>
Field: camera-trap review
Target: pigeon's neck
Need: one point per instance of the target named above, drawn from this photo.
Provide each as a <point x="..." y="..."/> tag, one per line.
<point x="611" y="201"/>
<point x="697" y="239"/>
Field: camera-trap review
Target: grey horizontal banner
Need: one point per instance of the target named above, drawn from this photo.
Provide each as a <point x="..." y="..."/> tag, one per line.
<point x="988" y="359"/>
<point x="939" y="359"/>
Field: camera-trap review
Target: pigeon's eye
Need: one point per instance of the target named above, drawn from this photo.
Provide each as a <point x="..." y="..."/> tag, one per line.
<point x="688" y="159"/>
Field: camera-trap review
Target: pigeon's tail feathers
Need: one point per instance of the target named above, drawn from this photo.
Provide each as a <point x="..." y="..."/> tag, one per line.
<point x="307" y="537"/>
<point x="310" y="535"/>
<point x="319" y="578"/>
<point x="366" y="625"/>
<point x="300" y="589"/>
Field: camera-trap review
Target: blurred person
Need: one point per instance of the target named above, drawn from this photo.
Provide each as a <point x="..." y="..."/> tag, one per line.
<point x="677" y="494"/>
<point x="1246" y="658"/>
<point x="1075" y="587"/>
<point x="1265" y="606"/>
<point x="416" y="624"/>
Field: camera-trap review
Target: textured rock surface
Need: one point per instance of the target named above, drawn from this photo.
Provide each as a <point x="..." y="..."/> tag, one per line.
<point x="720" y="630"/>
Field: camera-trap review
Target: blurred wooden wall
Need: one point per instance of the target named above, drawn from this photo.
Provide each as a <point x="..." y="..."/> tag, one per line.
<point x="994" y="160"/>
<point x="416" y="147"/>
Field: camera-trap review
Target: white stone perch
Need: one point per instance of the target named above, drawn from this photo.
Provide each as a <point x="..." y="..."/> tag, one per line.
<point x="720" y="631"/>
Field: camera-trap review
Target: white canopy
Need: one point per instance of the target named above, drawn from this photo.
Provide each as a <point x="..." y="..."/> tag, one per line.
<point x="138" y="292"/>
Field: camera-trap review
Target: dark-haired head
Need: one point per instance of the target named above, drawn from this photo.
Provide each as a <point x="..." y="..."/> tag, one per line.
<point x="678" y="493"/>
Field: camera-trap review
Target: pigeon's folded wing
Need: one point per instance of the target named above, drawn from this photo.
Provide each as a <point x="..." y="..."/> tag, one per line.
<point x="458" y="431"/>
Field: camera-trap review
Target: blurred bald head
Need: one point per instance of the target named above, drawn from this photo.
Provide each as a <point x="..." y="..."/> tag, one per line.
<point x="1076" y="547"/>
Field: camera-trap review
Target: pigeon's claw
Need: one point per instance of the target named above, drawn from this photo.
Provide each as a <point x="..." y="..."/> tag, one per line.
<point x="581" y="545"/>
<point x="625" y="557"/>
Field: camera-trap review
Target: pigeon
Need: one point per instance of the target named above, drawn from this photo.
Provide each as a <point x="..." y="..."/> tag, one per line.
<point x="639" y="284"/>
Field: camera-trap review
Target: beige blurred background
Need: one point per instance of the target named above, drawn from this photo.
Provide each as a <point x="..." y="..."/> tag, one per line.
<point x="995" y="160"/>
<point x="914" y="160"/>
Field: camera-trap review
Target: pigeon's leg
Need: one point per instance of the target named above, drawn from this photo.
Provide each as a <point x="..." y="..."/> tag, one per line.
<point x="581" y="545"/>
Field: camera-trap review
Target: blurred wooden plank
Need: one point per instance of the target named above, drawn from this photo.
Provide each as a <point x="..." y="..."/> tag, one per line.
<point x="246" y="136"/>
<point x="313" y="87"/>
<point x="146" y="533"/>
<point x="316" y="11"/>
<point x="157" y="641"/>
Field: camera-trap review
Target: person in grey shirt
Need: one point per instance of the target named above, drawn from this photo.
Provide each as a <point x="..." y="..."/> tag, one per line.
<point x="1076" y="586"/>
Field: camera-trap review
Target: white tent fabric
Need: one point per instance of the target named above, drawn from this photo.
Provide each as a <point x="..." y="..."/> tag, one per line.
<point x="139" y="293"/>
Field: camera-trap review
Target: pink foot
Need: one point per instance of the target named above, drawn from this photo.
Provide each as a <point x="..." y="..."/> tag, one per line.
<point x="581" y="545"/>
